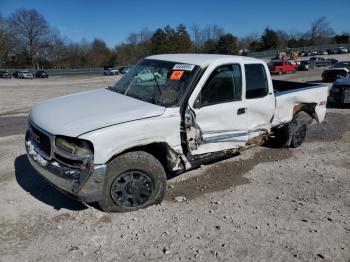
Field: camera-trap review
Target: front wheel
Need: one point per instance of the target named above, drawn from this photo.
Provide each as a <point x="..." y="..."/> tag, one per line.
<point x="133" y="181"/>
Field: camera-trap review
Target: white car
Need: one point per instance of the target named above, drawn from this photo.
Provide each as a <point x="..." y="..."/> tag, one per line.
<point x="107" y="71"/>
<point x="342" y="50"/>
<point x="25" y="75"/>
<point x="117" y="146"/>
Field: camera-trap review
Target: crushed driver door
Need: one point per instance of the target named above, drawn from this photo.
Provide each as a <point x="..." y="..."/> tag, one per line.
<point x="218" y="119"/>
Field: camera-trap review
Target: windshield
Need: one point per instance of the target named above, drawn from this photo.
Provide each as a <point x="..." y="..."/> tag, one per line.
<point x="158" y="82"/>
<point x="341" y="65"/>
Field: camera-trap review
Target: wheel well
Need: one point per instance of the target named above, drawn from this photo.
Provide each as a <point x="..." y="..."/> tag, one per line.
<point x="307" y="108"/>
<point x="161" y="151"/>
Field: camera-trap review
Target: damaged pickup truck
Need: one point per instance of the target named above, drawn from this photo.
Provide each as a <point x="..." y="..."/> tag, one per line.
<point x="118" y="145"/>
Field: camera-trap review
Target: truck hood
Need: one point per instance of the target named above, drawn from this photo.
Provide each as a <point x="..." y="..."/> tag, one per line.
<point x="79" y="113"/>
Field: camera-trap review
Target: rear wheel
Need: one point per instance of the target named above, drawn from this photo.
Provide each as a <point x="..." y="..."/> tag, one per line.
<point x="293" y="134"/>
<point x="134" y="180"/>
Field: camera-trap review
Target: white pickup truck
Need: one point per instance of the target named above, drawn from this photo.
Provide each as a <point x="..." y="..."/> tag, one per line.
<point x="117" y="145"/>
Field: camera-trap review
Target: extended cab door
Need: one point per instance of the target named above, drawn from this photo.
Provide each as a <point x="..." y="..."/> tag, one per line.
<point x="259" y="99"/>
<point x="218" y="119"/>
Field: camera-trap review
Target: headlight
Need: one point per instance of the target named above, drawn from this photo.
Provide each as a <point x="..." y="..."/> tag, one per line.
<point x="74" y="146"/>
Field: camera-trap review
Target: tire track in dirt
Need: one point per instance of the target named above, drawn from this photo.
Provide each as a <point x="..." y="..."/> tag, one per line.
<point x="223" y="175"/>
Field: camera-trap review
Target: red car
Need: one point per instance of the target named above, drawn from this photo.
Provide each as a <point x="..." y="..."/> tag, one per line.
<point x="282" y="67"/>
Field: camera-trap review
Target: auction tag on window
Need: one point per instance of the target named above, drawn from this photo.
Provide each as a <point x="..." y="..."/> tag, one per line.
<point x="186" y="67"/>
<point x="176" y="75"/>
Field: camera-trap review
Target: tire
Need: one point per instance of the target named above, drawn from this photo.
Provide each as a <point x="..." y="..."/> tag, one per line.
<point x="133" y="181"/>
<point x="292" y="135"/>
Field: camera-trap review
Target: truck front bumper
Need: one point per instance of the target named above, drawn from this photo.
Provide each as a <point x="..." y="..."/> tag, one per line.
<point x="85" y="185"/>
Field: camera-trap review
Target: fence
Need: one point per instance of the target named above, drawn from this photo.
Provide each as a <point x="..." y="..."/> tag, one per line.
<point x="66" y="72"/>
<point x="273" y="53"/>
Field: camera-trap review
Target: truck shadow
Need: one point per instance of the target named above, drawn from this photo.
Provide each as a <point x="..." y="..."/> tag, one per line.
<point x="32" y="183"/>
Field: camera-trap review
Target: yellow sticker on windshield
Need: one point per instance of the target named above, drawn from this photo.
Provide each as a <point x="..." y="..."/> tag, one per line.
<point x="176" y="75"/>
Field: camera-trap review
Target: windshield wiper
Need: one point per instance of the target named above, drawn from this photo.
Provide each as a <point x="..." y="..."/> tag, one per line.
<point x="131" y="83"/>
<point x="160" y="91"/>
<point x="155" y="79"/>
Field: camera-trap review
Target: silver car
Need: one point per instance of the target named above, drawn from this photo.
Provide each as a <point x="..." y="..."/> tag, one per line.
<point x="25" y="75"/>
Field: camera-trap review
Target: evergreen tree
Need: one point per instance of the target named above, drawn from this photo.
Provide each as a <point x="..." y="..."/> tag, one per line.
<point x="184" y="43"/>
<point x="227" y="44"/>
<point x="159" y="42"/>
<point x="269" y="39"/>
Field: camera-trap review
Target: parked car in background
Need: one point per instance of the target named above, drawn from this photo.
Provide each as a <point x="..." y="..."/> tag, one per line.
<point x="41" y="74"/>
<point x="124" y="69"/>
<point x="331" y="51"/>
<point x="294" y="61"/>
<point x="5" y="74"/>
<point x="24" y="74"/>
<point x="338" y="70"/>
<point x="332" y="61"/>
<point x="322" y="52"/>
<point x="110" y="70"/>
<point x="281" y="67"/>
<point x="342" y="50"/>
<point x="319" y="61"/>
<point x="305" y="65"/>
<point x="340" y="92"/>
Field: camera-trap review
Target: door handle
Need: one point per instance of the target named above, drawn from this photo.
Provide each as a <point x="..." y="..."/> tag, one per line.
<point x="241" y="111"/>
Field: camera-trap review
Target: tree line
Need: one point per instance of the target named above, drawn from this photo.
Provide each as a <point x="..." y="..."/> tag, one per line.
<point x="27" y="40"/>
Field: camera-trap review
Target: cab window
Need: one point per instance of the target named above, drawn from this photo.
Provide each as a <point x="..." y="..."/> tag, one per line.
<point x="256" y="81"/>
<point x="224" y="85"/>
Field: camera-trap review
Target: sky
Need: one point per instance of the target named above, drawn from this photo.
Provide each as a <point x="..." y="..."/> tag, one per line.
<point x="113" y="21"/>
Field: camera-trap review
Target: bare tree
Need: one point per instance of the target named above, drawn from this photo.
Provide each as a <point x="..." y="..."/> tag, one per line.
<point x="319" y="31"/>
<point x="5" y="40"/>
<point x="246" y="41"/>
<point x="145" y="35"/>
<point x="202" y="36"/>
<point x="31" y="31"/>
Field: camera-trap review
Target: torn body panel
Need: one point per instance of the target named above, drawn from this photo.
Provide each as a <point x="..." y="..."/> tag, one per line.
<point x="85" y="183"/>
<point x="212" y="138"/>
<point x="290" y="102"/>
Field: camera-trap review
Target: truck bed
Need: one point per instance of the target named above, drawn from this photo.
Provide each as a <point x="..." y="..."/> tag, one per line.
<point x="290" y="94"/>
<point x="283" y="86"/>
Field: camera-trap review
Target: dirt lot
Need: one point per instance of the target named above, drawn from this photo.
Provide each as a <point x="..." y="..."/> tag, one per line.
<point x="264" y="205"/>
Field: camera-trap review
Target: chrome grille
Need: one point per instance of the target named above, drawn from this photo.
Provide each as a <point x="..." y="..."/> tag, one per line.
<point x="42" y="140"/>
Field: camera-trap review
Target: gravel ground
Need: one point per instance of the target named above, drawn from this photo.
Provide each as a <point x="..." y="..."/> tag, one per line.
<point x="266" y="204"/>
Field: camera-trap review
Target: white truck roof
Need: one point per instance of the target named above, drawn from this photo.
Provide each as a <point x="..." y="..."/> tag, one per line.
<point x="202" y="60"/>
